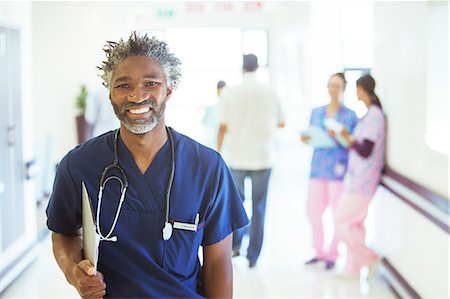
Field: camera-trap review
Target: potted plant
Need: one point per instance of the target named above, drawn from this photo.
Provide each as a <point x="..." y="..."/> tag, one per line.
<point x="84" y="130"/>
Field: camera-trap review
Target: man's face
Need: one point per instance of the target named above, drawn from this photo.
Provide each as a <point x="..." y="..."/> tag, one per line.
<point x="139" y="93"/>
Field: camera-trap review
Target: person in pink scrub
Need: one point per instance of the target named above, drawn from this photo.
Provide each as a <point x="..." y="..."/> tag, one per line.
<point x="365" y="165"/>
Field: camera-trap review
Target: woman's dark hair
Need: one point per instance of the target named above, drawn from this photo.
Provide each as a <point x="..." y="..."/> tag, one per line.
<point x="367" y="83"/>
<point x="340" y="75"/>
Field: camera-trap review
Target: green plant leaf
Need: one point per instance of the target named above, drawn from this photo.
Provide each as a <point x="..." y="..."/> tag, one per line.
<point x="80" y="102"/>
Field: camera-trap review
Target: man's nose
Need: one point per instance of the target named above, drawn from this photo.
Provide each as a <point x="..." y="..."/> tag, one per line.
<point x="137" y="95"/>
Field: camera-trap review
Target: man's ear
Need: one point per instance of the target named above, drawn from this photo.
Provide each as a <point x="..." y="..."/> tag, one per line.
<point x="169" y="91"/>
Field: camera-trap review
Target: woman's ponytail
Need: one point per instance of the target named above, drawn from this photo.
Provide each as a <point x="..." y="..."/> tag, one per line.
<point x="367" y="83"/>
<point x="375" y="100"/>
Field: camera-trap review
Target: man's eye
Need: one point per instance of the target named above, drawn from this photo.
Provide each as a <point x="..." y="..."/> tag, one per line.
<point x="151" y="83"/>
<point x="123" y="85"/>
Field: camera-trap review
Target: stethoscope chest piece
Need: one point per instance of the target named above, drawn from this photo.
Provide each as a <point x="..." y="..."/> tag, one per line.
<point x="167" y="231"/>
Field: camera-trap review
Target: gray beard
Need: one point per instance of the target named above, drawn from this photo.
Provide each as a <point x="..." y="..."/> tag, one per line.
<point x="141" y="126"/>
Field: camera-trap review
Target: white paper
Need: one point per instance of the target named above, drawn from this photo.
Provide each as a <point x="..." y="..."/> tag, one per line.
<point x="91" y="239"/>
<point x="337" y="127"/>
<point x="333" y="125"/>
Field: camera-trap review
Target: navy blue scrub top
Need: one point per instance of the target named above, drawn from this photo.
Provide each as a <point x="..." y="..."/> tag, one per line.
<point x="140" y="264"/>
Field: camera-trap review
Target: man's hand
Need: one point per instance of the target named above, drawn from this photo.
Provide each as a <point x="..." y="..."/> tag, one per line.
<point x="88" y="283"/>
<point x="332" y="133"/>
<point x="68" y="251"/>
<point x="305" y="138"/>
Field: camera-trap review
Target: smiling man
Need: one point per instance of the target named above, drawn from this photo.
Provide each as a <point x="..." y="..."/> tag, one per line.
<point x="157" y="195"/>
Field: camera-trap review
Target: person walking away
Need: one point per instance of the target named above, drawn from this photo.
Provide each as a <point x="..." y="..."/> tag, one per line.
<point x="250" y="116"/>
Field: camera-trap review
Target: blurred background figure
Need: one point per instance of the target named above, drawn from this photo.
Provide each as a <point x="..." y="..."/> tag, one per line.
<point x="366" y="162"/>
<point x="99" y="111"/>
<point x="328" y="166"/>
<point x="211" y="117"/>
<point x="250" y="116"/>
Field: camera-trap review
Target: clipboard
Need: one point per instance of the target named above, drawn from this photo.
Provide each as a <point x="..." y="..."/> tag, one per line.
<point x="91" y="239"/>
<point x="318" y="137"/>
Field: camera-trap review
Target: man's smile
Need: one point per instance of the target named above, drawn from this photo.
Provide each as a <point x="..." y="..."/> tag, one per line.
<point x="139" y="110"/>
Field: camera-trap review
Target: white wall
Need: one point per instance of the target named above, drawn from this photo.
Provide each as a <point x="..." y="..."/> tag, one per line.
<point x="401" y="72"/>
<point x="416" y="247"/>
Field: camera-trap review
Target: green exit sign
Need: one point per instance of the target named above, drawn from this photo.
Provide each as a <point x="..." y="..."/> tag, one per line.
<point x="165" y="12"/>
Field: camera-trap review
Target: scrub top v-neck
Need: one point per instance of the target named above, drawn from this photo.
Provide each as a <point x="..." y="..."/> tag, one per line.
<point x="152" y="183"/>
<point x="140" y="264"/>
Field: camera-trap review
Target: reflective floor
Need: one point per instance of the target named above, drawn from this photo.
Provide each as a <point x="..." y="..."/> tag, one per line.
<point x="280" y="272"/>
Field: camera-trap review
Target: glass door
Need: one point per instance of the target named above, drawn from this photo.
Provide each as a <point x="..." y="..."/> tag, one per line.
<point x="15" y="241"/>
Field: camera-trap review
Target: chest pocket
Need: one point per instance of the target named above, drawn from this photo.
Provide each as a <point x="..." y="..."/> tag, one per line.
<point x="181" y="250"/>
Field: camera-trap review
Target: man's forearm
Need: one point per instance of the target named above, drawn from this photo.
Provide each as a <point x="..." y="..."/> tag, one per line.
<point x="218" y="280"/>
<point x="217" y="269"/>
<point x="68" y="253"/>
<point x="220" y="136"/>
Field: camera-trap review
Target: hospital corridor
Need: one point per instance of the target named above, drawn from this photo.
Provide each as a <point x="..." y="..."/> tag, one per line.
<point x="244" y="149"/>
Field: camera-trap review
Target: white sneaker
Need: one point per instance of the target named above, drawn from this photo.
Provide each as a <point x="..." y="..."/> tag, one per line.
<point x="347" y="276"/>
<point x="373" y="269"/>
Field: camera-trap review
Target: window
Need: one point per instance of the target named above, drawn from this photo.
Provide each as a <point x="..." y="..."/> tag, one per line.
<point x="438" y="127"/>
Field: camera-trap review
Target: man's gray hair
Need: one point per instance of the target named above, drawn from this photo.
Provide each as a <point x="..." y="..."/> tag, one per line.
<point x="116" y="52"/>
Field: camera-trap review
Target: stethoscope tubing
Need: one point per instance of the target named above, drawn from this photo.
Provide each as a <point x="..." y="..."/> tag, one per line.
<point x="124" y="187"/>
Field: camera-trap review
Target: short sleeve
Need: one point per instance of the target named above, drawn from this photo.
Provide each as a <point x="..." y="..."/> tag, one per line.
<point x="353" y="120"/>
<point x="314" y="119"/>
<point x="64" y="207"/>
<point x="374" y="126"/>
<point x="226" y="213"/>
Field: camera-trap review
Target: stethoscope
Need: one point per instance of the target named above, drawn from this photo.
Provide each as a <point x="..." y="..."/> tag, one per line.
<point x="167" y="230"/>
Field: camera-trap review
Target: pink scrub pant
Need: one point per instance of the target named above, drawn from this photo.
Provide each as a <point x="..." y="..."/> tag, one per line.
<point x="349" y="224"/>
<point x="323" y="193"/>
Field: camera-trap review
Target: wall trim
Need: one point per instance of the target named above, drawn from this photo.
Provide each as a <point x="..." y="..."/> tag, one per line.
<point x="431" y="205"/>
<point x="397" y="283"/>
<point x="19" y="265"/>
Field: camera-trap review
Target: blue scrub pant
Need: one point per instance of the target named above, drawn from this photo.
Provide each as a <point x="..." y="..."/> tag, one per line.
<point x="260" y="185"/>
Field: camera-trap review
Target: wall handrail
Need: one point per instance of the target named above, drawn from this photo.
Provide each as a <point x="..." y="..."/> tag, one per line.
<point x="431" y="205"/>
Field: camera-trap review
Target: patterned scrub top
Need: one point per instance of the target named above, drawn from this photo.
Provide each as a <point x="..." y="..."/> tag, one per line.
<point x="331" y="163"/>
<point x="364" y="174"/>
